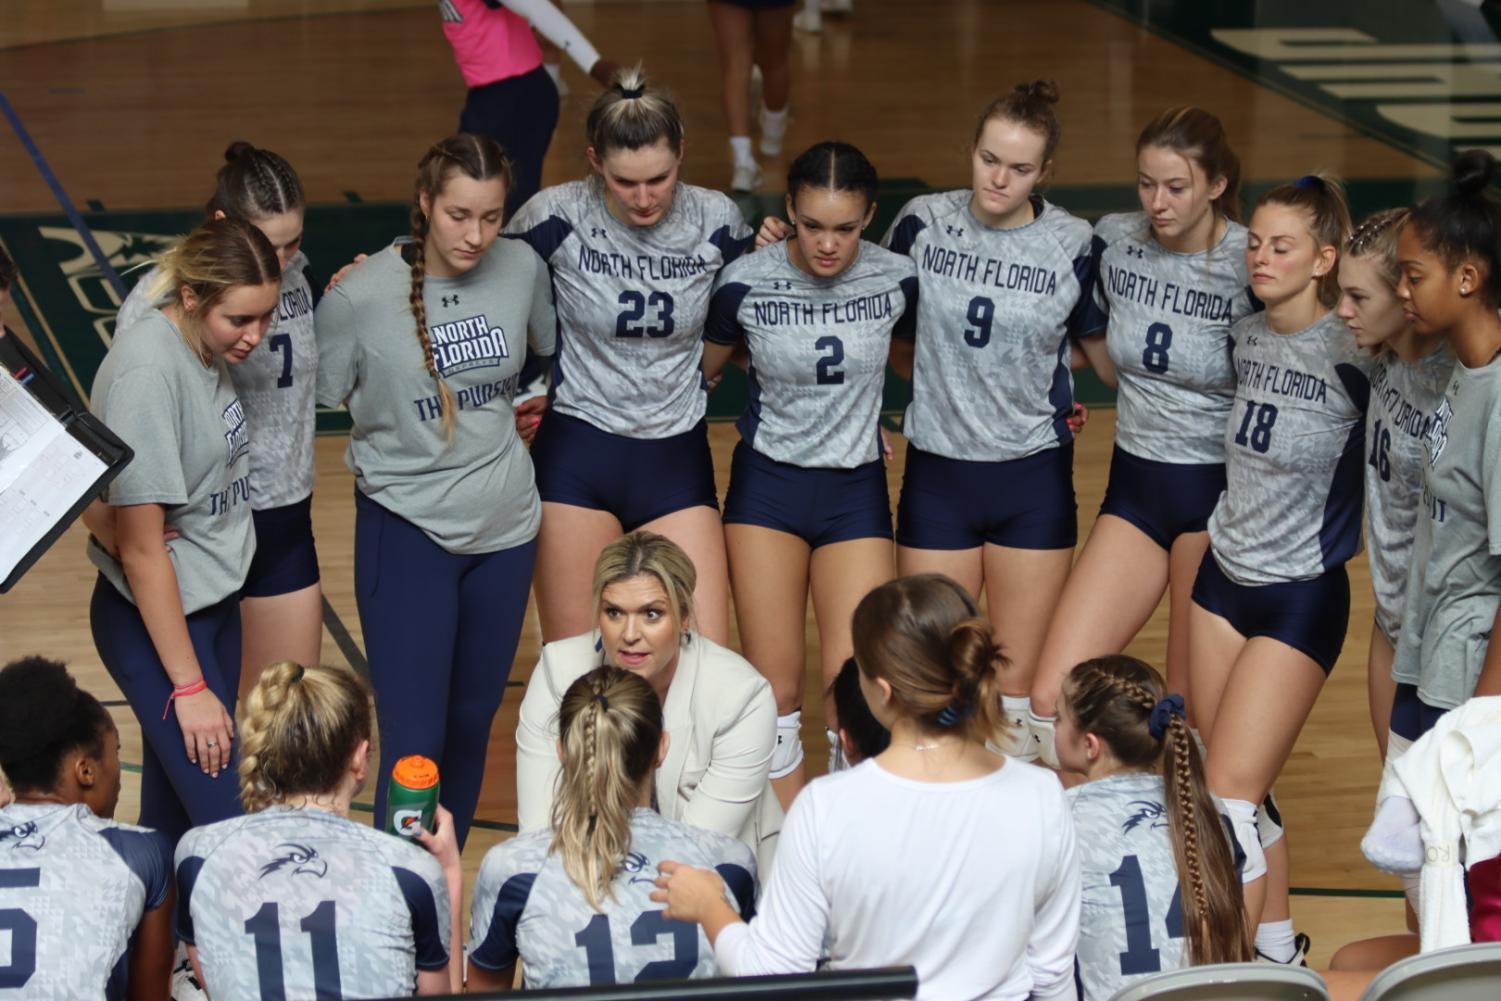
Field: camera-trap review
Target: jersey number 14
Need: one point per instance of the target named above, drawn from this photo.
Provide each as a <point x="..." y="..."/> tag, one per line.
<point x="1139" y="956"/>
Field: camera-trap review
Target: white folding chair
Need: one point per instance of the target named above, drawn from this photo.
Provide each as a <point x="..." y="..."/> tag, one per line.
<point x="1463" y="973"/>
<point x="1230" y="982"/>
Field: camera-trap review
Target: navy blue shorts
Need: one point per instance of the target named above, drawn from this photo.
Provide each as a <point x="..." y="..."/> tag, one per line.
<point x="819" y="506"/>
<point x="1025" y="503"/>
<point x="1308" y="615"/>
<point x="1411" y="716"/>
<point x="1163" y="499"/>
<point x="638" y="480"/>
<point x="286" y="559"/>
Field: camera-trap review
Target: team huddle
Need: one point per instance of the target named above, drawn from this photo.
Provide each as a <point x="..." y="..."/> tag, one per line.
<point x="1285" y="385"/>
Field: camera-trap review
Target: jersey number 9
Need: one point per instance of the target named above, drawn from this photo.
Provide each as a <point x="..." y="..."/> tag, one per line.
<point x="633" y="321"/>
<point x="980" y="314"/>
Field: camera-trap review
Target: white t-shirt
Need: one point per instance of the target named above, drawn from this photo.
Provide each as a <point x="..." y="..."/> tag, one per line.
<point x="974" y="883"/>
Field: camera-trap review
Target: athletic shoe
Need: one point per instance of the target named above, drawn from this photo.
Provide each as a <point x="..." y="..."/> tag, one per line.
<point x="1026" y="744"/>
<point x="1301" y="944"/>
<point x="772" y="136"/>
<point x="808" y="20"/>
<point x="746" y="177"/>
<point x="185" y="986"/>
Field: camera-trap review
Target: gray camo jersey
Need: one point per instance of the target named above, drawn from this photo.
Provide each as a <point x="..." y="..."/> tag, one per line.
<point x="1404" y="399"/>
<point x="1455" y="582"/>
<point x="631" y="303"/>
<point x="526" y="906"/>
<point x="1169" y="317"/>
<point x="73" y="890"/>
<point x="299" y="902"/>
<point x="276" y="384"/>
<point x="818" y="350"/>
<point x="1294" y="449"/>
<point x="991" y="374"/>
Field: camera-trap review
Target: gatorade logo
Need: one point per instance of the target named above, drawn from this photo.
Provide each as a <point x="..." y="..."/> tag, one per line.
<point x="408" y="822"/>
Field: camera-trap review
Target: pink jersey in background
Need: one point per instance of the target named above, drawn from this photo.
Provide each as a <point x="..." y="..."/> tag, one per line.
<point x="489" y="44"/>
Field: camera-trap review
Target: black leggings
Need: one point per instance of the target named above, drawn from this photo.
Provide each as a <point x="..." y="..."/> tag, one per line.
<point x="520" y="113"/>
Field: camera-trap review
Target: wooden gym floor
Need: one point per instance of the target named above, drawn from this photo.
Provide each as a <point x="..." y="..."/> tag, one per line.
<point x="131" y="102"/>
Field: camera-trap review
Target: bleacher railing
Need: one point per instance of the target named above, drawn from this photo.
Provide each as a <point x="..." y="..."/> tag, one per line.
<point x="853" y="985"/>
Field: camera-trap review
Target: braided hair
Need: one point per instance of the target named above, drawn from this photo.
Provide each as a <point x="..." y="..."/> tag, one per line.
<point x="298" y="729"/>
<point x="610" y="727"/>
<point x="1115" y="698"/>
<point x="254" y="184"/>
<point x="480" y="159"/>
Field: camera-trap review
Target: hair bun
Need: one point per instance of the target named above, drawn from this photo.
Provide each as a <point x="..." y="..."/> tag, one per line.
<point x="237" y="149"/>
<point x="1042" y="90"/>
<point x="1472" y="172"/>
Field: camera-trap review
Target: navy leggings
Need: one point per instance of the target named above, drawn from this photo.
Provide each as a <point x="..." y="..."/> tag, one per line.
<point x="175" y="792"/>
<point x="440" y="631"/>
<point x="520" y="113"/>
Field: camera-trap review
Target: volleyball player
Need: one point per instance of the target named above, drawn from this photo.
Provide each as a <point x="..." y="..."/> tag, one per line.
<point x="753" y="34"/>
<point x="1172" y="280"/>
<point x="988" y="493"/>
<point x="861" y="735"/>
<point x="572" y="901"/>
<point x="807" y="508"/>
<point x="633" y="253"/>
<point x="897" y="860"/>
<point x="86" y="901"/>
<point x="295" y="899"/>
<point x="1406" y="388"/>
<point x="1160" y="877"/>
<point x="281" y="607"/>
<point x="166" y="618"/>
<point x="1272" y="599"/>
<point x="718" y="711"/>
<point x="424" y="341"/>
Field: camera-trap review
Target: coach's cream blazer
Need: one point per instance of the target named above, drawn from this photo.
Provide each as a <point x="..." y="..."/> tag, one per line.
<point x="722" y="720"/>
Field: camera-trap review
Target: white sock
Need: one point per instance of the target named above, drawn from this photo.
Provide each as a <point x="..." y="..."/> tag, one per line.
<point x="741" y="147"/>
<point x="773" y="121"/>
<point x="1395" y="841"/>
<point x="1274" y="940"/>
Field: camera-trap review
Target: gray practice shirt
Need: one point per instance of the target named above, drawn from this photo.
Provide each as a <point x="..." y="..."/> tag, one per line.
<point x="1294" y="450"/>
<point x="476" y="493"/>
<point x="300" y="902"/>
<point x="1169" y="317"/>
<point x="1454" y="584"/>
<point x="275" y="384"/>
<point x="191" y="440"/>
<point x="1404" y="399"/>
<point x="991" y="376"/>
<point x="631" y="302"/>
<point x="818" y="350"/>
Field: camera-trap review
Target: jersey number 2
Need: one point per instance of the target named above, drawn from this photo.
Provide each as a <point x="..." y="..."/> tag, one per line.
<point x="645" y="930"/>
<point x="283" y="342"/>
<point x="828" y="365"/>
<point x="22" y="928"/>
<point x="632" y="322"/>
<point x="1139" y="956"/>
<point x="265" y="926"/>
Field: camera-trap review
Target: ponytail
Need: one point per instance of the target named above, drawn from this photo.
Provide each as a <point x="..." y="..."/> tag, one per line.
<point x="632" y="114"/>
<point x="1124" y="703"/>
<point x="610" y="727"/>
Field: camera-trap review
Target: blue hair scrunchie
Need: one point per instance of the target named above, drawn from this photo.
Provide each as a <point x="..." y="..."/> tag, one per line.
<point x="954" y="713"/>
<point x="1313" y="181"/>
<point x="1162" y="715"/>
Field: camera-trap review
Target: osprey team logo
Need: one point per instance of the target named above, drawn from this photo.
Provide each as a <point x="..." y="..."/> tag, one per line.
<point x="298" y="860"/>
<point x="1148" y="812"/>
<point x="23" y="836"/>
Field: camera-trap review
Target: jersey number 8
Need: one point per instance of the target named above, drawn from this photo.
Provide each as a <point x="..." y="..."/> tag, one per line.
<point x="1159" y="339"/>
<point x="645" y="930"/>
<point x="633" y="321"/>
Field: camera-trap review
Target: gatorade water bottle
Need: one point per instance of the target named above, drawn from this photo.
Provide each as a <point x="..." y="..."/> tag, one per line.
<point x="412" y="798"/>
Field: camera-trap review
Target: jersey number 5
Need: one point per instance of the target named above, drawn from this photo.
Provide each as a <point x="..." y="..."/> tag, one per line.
<point x="265" y="926"/>
<point x="22" y="929"/>
<point x="645" y="930"/>
<point x="1139" y="956"/>
<point x="633" y="323"/>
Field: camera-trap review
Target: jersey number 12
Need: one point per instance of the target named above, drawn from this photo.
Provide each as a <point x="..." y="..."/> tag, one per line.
<point x="645" y="930"/>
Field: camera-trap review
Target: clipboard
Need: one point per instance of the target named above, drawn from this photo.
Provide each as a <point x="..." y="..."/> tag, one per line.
<point x="41" y="525"/>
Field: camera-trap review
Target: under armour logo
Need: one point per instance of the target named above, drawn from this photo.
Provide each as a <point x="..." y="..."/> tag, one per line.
<point x="450" y="300"/>
<point x="954" y="231"/>
<point x="597" y="233"/>
<point x="781" y="285"/>
<point x="1132" y="250"/>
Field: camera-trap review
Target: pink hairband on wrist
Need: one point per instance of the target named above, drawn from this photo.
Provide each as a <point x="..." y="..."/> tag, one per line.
<point x="185" y="690"/>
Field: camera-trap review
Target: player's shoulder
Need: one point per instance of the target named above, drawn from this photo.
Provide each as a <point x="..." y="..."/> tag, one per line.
<point x="1251" y="323"/>
<point x="877" y="259"/>
<point x="384" y="274"/>
<point x="936" y="206"/>
<point x="709" y="203"/>
<point x="520" y="855"/>
<point x="202" y="842"/>
<point x="749" y="269"/>
<point x="1117" y="226"/>
<point x="1069" y="230"/>
<point x="696" y="845"/>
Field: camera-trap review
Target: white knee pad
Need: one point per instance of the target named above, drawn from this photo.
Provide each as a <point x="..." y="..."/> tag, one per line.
<point x="1243" y="823"/>
<point x="1041" y="737"/>
<point x="1269" y="821"/>
<point x="788" y="753"/>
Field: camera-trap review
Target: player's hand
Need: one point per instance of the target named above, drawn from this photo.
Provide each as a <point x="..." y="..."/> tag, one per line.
<point x="441" y="842"/>
<point x="688" y="892"/>
<point x="773" y="230"/>
<point x="529" y="416"/>
<point x="339" y="275"/>
<point x="1078" y="419"/>
<point x="207" y="730"/>
<point x="603" y="72"/>
<point x="886" y="450"/>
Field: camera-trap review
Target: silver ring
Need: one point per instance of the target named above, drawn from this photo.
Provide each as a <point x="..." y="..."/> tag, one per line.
<point x="213" y="743"/>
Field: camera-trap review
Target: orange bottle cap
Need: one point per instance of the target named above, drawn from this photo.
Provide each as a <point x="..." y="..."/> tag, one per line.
<point x="416" y="772"/>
